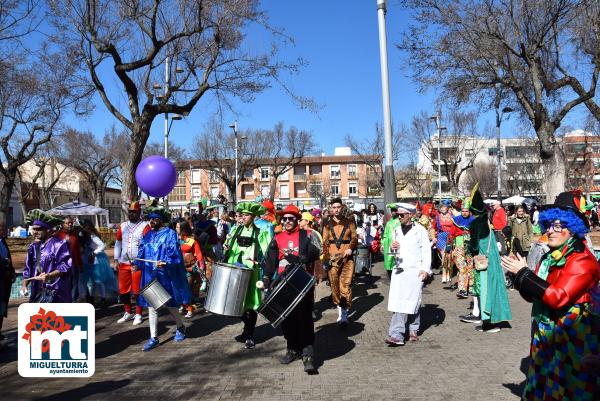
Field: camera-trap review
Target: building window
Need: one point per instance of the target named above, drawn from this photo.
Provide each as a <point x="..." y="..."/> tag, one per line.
<point x="334" y="171"/>
<point x="264" y="190"/>
<point x="195" y="176"/>
<point x="177" y="195"/>
<point x="214" y="191"/>
<point x="284" y="191"/>
<point x="264" y="173"/>
<point x="352" y="189"/>
<point x="315" y="169"/>
<point x="213" y="176"/>
<point x="285" y="176"/>
<point x="248" y="191"/>
<point x="335" y="189"/>
<point x="196" y="192"/>
<point x="469" y="152"/>
<point x="352" y="170"/>
<point x="181" y="178"/>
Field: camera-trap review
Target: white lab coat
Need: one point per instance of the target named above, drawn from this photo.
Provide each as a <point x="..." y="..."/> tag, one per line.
<point x="413" y="255"/>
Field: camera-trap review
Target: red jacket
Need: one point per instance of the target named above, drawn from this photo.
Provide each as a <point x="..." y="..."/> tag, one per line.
<point x="499" y="219"/>
<point x="74" y="248"/>
<point x="570" y="284"/>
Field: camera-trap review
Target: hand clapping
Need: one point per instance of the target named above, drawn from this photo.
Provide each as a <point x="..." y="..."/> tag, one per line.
<point x="513" y="263"/>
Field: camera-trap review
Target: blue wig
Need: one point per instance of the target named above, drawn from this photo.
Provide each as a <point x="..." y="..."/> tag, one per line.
<point x="568" y="219"/>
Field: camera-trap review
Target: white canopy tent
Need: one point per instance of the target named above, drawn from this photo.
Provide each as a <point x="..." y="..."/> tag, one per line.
<point x="77" y="208"/>
<point x="518" y="200"/>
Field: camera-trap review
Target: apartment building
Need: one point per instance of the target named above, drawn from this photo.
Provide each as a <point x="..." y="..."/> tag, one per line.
<point x="309" y="183"/>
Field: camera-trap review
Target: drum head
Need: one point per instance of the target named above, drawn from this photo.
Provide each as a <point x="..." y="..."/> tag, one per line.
<point x="230" y="266"/>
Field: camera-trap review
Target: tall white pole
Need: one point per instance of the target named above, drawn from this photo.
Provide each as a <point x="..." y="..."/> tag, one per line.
<point x="167" y="83"/>
<point x="439" y="163"/>
<point x="389" y="179"/>
<point x="236" y="161"/>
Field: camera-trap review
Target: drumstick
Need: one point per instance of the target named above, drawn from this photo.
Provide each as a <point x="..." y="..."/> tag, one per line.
<point x="260" y="285"/>
<point x="148" y="260"/>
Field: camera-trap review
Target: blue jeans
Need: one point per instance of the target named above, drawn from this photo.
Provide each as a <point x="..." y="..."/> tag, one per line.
<point x="399" y="321"/>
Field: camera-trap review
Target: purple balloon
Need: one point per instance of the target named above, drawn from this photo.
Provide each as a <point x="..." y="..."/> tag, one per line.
<point x="156" y="176"/>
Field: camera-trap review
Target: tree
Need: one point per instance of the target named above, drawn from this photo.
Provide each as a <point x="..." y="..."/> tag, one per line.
<point x="283" y="150"/>
<point x="458" y="147"/>
<point x="485" y="173"/>
<point x="37" y="85"/>
<point x="94" y="159"/>
<point x="175" y="153"/>
<point x="370" y="152"/>
<point x="544" y="54"/>
<point x="132" y="41"/>
<point x="216" y="149"/>
<point x="414" y="177"/>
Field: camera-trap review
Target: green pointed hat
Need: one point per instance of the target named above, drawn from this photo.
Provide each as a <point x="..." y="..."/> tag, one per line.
<point x="39" y="217"/>
<point x="476" y="204"/>
<point x="253" y="208"/>
<point x="153" y="210"/>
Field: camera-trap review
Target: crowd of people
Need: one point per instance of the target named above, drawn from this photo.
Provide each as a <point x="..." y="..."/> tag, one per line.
<point x="479" y="250"/>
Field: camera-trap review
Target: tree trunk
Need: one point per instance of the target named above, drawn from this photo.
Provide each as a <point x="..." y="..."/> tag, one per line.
<point x="553" y="163"/>
<point x="272" y="188"/>
<point x="139" y="137"/>
<point x="5" y="195"/>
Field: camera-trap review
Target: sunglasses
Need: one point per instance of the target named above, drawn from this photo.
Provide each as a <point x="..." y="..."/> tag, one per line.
<point x="402" y="214"/>
<point x="283" y="219"/>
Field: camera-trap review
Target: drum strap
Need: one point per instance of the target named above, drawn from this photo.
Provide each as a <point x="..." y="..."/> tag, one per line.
<point x="339" y="241"/>
<point x="238" y="231"/>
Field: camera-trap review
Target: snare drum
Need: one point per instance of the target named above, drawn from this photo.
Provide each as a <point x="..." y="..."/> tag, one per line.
<point x="155" y="294"/>
<point x="228" y="288"/>
<point x="289" y="290"/>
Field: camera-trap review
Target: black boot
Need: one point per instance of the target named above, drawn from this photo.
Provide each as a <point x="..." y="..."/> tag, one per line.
<point x="309" y="361"/>
<point x="289" y="357"/>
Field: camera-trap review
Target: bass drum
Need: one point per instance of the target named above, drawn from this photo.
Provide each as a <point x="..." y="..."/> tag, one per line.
<point x="228" y="288"/>
<point x="288" y="291"/>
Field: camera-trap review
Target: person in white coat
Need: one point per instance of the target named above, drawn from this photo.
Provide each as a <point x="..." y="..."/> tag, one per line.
<point x="412" y="250"/>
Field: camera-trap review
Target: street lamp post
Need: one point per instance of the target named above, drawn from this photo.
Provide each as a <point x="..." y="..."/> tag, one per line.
<point x="236" y="145"/>
<point x="499" y="116"/>
<point x="388" y="172"/>
<point x="439" y="129"/>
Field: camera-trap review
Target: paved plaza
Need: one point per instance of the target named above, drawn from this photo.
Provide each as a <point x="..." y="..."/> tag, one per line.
<point x="452" y="361"/>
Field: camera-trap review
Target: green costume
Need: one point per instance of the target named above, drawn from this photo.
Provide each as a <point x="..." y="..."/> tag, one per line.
<point x="489" y="284"/>
<point x="248" y="246"/>
<point x="388" y="233"/>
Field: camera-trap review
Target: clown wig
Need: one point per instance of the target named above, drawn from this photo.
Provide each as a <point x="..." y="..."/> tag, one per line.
<point x="568" y="219"/>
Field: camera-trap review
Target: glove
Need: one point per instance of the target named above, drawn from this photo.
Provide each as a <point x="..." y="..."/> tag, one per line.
<point x="267" y="282"/>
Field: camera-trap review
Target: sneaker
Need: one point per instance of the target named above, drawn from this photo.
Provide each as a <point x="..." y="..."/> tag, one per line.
<point x="181" y="309"/>
<point x="342" y="319"/>
<point x="179" y="334"/>
<point x="249" y="344"/>
<point x="289" y="357"/>
<point x="462" y="294"/>
<point x="488" y="328"/>
<point x="189" y="315"/>
<point x="470" y="318"/>
<point x="126" y="316"/>
<point x="394" y="341"/>
<point x="309" y="365"/>
<point x="241" y="338"/>
<point x="138" y="319"/>
<point x="152" y="343"/>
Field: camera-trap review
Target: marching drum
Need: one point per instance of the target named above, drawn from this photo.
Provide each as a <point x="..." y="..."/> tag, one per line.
<point x="228" y="288"/>
<point x="155" y="294"/>
<point x="289" y="290"/>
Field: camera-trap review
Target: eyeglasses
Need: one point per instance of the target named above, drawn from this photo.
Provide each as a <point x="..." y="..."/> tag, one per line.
<point x="402" y="214"/>
<point x="556" y="227"/>
<point x="284" y="219"/>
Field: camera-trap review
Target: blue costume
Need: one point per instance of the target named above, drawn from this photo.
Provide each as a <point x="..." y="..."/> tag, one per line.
<point x="163" y="245"/>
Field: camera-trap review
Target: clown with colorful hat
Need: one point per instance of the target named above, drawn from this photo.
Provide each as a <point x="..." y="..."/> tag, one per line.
<point x="129" y="236"/>
<point x="566" y="329"/>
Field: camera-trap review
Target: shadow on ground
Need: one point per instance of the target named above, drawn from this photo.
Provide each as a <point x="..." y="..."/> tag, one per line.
<point x="517" y="389"/>
<point x="88" y="390"/>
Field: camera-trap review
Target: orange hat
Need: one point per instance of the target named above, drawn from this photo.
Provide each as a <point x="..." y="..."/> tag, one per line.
<point x="135" y="205"/>
<point x="290" y="209"/>
<point x="418" y="205"/>
<point x="269" y="205"/>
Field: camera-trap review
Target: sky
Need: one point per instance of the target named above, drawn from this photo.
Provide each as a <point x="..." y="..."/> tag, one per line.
<point x="339" y="39"/>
